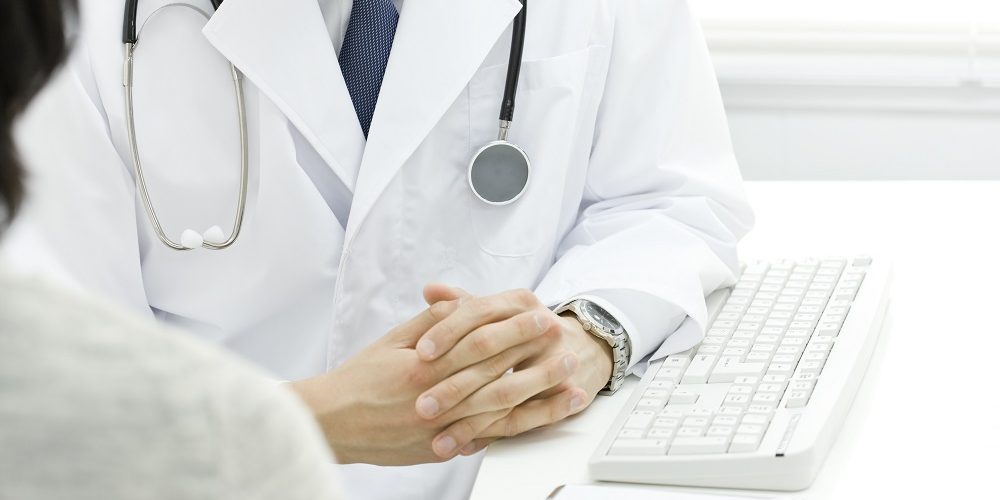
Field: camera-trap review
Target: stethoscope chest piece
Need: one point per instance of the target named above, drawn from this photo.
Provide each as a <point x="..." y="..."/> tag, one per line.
<point x="499" y="173"/>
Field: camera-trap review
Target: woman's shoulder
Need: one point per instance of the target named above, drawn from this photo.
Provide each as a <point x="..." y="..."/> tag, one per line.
<point x="149" y="398"/>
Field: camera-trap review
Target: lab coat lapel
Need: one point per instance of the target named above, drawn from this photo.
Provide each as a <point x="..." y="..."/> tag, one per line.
<point x="284" y="48"/>
<point x="438" y="47"/>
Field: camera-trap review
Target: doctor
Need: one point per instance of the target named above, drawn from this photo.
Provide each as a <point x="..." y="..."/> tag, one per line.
<point x="632" y="211"/>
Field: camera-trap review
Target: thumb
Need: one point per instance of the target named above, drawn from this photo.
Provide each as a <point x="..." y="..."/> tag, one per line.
<point x="436" y="292"/>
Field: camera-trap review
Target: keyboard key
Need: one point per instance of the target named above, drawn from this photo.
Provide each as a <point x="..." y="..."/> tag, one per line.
<point x="756" y="419"/>
<point x="726" y="421"/>
<point x="785" y="358"/>
<point x="699" y="422"/>
<point x="736" y="400"/>
<point x="663" y="385"/>
<point x="683" y="396"/>
<point x="806" y="386"/>
<point x="665" y="434"/>
<point x="650" y="404"/>
<point x="798" y="333"/>
<point x="810" y="368"/>
<point x="730" y="410"/>
<point x="656" y="394"/>
<point x="741" y="389"/>
<point x="730" y="368"/>
<point x="709" y="350"/>
<point x="720" y="430"/>
<point x="744" y="443"/>
<point x="797" y="399"/>
<point x="640" y="419"/>
<point x="772" y="388"/>
<point x="756" y="409"/>
<point x="815" y="356"/>
<point x="735" y="351"/>
<point x="780" y="369"/>
<point x="690" y="432"/>
<point x="823" y="347"/>
<point x="671" y="413"/>
<point x="750" y="429"/>
<point x="630" y="434"/>
<point x="639" y="447"/>
<point x="665" y="422"/>
<point x="698" y="412"/>
<point x="679" y="362"/>
<point x="668" y="373"/>
<point x="765" y="399"/>
<point x="699" y="445"/>
<point x="699" y="369"/>
<point x="828" y="330"/>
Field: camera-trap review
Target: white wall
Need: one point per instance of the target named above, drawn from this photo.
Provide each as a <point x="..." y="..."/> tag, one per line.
<point x="881" y="89"/>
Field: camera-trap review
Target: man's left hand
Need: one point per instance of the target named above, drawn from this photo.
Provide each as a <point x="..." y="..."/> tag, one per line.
<point x="595" y="364"/>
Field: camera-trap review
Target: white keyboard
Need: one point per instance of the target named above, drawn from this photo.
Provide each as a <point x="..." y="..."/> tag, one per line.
<point x="760" y="401"/>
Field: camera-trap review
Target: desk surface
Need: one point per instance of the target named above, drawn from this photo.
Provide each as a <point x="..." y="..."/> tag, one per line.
<point x="926" y="421"/>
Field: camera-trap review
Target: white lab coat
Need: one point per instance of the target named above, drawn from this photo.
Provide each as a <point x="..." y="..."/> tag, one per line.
<point x="635" y="197"/>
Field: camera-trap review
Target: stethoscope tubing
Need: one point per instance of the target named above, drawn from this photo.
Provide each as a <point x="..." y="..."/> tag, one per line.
<point x="147" y="202"/>
<point x="129" y="34"/>
<point x="514" y="64"/>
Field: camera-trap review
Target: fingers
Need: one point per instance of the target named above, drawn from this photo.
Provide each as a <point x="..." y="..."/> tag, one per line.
<point x="436" y="292"/>
<point x="473" y="313"/>
<point x="492" y="339"/>
<point x="459" y="435"/>
<point x="476" y="446"/>
<point x="407" y="334"/>
<point x="537" y="413"/>
<point x="515" y="388"/>
<point x="451" y="391"/>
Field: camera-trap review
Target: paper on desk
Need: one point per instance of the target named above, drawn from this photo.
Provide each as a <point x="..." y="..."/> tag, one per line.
<point x="602" y="492"/>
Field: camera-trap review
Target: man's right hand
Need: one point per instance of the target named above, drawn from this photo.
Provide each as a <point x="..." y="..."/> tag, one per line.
<point x="368" y="407"/>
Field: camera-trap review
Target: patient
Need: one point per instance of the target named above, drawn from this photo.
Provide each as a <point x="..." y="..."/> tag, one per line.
<point x="95" y="404"/>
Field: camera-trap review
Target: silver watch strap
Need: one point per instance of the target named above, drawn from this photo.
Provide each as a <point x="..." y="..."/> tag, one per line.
<point x="621" y="345"/>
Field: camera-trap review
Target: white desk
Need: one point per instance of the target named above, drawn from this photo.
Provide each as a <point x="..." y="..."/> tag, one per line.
<point x="926" y="422"/>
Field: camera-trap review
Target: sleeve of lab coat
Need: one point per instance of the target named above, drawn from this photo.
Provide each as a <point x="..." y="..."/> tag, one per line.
<point x="663" y="207"/>
<point x="82" y="210"/>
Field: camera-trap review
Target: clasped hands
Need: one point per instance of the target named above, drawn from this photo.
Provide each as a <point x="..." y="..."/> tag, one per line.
<point x="461" y="374"/>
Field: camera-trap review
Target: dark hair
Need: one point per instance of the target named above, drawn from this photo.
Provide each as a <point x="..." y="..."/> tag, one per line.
<point x="32" y="45"/>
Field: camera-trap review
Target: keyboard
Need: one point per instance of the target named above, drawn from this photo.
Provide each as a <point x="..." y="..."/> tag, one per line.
<point x="760" y="401"/>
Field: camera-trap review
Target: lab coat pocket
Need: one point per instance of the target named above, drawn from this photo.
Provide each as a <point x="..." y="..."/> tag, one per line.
<point x="549" y="98"/>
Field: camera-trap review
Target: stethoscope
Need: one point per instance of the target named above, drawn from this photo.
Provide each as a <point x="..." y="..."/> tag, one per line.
<point x="498" y="173"/>
<point x="213" y="238"/>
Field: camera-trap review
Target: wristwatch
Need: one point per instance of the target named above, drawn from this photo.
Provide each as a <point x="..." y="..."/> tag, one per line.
<point x="603" y="325"/>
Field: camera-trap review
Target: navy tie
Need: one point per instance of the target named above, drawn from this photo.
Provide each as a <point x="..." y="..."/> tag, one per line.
<point x="365" y="53"/>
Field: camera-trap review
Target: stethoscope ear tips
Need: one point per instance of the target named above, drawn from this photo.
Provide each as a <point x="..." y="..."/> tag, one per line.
<point x="215" y="235"/>
<point x="190" y="239"/>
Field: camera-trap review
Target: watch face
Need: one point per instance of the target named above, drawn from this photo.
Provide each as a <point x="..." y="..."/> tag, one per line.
<point x="602" y="318"/>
